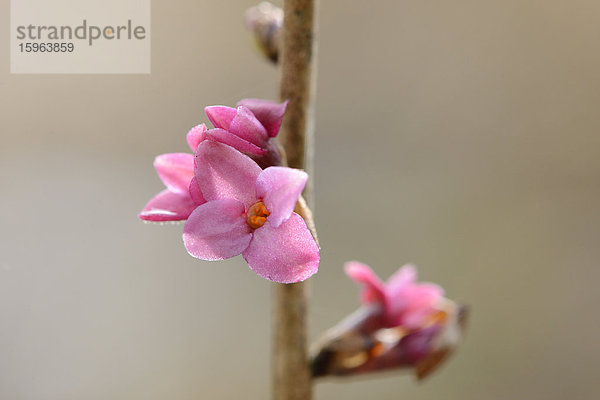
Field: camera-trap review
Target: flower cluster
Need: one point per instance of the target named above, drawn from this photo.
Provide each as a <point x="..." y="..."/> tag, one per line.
<point x="402" y="324"/>
<point x="236" y="198"/>
<point x="231" y="205"/>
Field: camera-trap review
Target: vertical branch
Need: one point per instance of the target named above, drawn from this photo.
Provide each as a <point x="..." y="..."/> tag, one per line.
<point x="291" y="374"/>
<point x="296" y="79"/>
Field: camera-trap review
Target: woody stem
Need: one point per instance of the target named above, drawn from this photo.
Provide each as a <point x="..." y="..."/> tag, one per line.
<point x="290" y="368"/>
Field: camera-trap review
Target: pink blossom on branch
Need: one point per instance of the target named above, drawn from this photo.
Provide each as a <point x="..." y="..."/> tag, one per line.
<point x="250" y="212"/>
<point x="182" y="194"/>
<point x="249" y="128"/>
<point x="402" y="324"/>
<point x="404" y="301"/>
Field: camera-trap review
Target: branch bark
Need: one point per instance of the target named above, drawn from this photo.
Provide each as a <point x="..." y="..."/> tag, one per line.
<point x="291" y="372"/>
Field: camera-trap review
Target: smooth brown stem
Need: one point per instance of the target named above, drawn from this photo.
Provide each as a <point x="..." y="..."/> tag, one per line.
<point x="291" y="372"/>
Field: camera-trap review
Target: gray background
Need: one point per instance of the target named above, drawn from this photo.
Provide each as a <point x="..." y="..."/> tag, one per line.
<point x="458" y="135"/>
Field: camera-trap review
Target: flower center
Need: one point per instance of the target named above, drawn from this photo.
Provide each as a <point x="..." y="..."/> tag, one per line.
<point x="257" y="215"/>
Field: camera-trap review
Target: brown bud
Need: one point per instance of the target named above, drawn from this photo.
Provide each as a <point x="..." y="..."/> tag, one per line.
<point x="265" y="21"/>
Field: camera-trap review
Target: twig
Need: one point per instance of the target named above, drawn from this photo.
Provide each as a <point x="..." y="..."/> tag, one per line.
<point x="291" y="373"/>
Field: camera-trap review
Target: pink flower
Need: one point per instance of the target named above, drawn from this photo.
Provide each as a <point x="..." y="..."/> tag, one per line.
<point x="248" y="128"/>
<point x="182" y="194"/>
<point x="405" y="303"/>
<point x="402" y="324"/>
<point x="250" y="212"/>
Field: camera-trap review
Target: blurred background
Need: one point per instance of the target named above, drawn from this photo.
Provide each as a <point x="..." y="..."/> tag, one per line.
<point x="458" y="135"/>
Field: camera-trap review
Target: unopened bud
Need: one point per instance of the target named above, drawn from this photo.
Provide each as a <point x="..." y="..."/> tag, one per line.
<point x="265" y="21"/>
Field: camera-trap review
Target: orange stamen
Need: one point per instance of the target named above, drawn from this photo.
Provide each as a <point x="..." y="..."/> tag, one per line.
<point x="257" y="215"/>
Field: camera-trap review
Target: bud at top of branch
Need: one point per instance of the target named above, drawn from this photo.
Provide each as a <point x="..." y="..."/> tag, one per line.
<point x="265" y="21"/>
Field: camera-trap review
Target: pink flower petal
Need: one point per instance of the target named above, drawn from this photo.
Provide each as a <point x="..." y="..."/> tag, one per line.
<point x="246" y="126"/>
<point x="415" y="304"/>
<point x="279" y="188"/>
<point x="228" y="138"/>
<point x="422" y="295"/>
<point x="223" y="172"/>
<point x="268" y="112"/>
<point x="373" y="288"/>
<point x="176" y="170"/>
<point x="404" y="277"/>
<point x="195" y="192"/>
<point x="285" y="254"/>
<point x="217" y="230"/>
<point x="409" y="302"/>
<point x="195" y="136"/>
<point x="168" y="206"/>
<point x="220" y="116"/>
